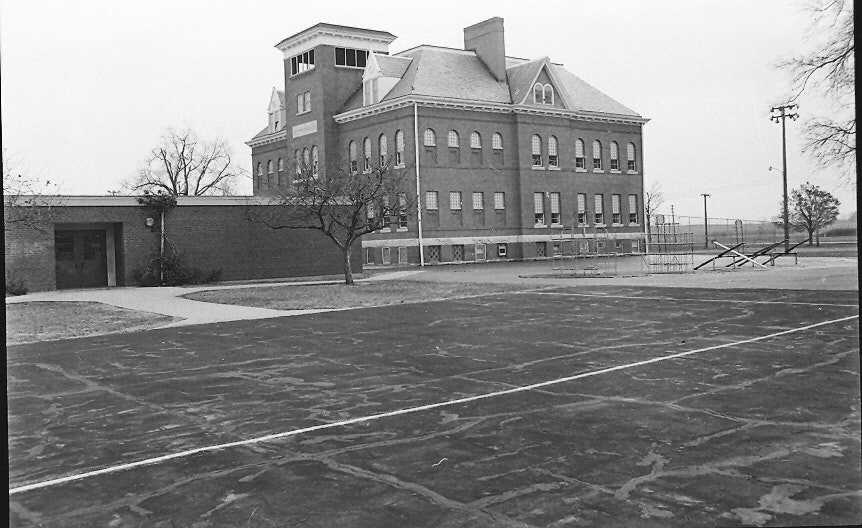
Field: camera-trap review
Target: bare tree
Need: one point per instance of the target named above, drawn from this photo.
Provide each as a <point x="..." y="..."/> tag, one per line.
<point x="653" y="199"/>
<point x="344" y="205"/>
<point x="829" y="70"/>
<point x="811" y="209"/>
<point x="27" y="201"/>
<point x="184" y="165"/>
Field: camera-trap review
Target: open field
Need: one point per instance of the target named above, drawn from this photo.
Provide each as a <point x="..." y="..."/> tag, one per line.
<point x="587" y="406"/>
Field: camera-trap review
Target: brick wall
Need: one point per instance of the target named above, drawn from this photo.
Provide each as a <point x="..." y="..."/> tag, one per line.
<point x="208" y="237"/>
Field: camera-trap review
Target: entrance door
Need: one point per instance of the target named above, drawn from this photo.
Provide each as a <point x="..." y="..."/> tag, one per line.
<point x="81" y="259"/>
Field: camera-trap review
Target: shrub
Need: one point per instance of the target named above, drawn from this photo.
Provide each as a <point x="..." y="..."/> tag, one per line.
<point x="16" y="287"/>
<point x="176" y="273"/>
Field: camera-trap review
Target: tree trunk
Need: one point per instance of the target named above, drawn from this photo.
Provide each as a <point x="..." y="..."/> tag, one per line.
<point x="348" y="272"/>
<point x="811" y="238"/>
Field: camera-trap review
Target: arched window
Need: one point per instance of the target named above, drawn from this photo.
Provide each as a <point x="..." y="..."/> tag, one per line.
<point x="580" y="158"/>
<point x="597" y="155"/>
<point x="633" y="164"/>
<point x="315" y="161"/>
<point x="280" y="165"/>
<point x="382" y="149"/>
<point x="453" y="139"/>
<point x="306" y="159"/>
<point x="430" y="139"/>
<point x="475" y="140"/>
<point x="615" y="156"/>
<point x="269" y="167"/>
<point x="366" y="150"/>
<point x="497" y="141"/>
<point x="259" y="174"/>
<point x="543" y="94"/>
<point x="351" y="148"/>
<point x="553" y="159"/>
<point x="548" y="94"/>
<point x="298" y="161"/>
<point x="399" y="148"/>
<point x="537" y="151"/>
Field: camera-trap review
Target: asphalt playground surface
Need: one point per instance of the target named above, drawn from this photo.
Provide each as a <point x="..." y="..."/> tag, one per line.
<point x="657" y="407"/>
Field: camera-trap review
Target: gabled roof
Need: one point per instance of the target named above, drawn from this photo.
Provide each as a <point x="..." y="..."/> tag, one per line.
<point x="262" y="133"/>
<point x="521" y="77"/>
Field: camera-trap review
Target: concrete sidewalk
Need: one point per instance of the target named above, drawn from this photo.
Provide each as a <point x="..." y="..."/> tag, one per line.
<point x="169" y="301"/>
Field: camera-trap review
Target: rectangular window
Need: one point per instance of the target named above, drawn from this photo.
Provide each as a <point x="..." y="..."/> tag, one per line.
<point x="599" y="210"/>
<point x="402" y="255"/>
<point x="386" y="255"/>
<point x="431" y="200"/>
<point x="478" y="201"/>
<point x="350" y="57"/>
<point x="369" y="256"/>
<point x="633" y="209"/>
<point x="597" y="163"/>
<point x="300" y="104"/>
<point x="455" y="200"/>
<point x="616" y="217"/>
<point x="615" y="156"/>
<point x="502" y="249"/>
<point x="555" y="209"/>
<point x="539" y="207"/>
<point x="307" y="100"/>
<point x="433" y="253"/>
<point x="537" y="160"/>
<point x="580" y="159"/>
<point x="582" y="209"/>
<point x="302" y="62"/>
<point x="499" y="201"/>
<point x="479" y="251"/>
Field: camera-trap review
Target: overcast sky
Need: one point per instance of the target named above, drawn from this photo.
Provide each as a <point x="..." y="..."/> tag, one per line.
<point x="88" y="86"/>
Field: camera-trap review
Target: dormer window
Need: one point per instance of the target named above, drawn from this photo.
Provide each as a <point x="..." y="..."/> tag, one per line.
<point x="543" y="94"/>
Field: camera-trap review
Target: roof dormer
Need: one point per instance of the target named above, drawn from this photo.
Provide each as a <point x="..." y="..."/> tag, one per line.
<point x="382" y="73"/>
<point x="276" y="111"/>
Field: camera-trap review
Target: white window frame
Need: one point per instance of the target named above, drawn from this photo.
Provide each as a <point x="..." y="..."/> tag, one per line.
<point x="499" y="201"/>
<point x="631" y="159"/>
<point x="502" y="249"/>
<point x="580" y="156"/>
<point x="553" y="157"/>
<point x="497" y="141"/>
<point x="597" y="161"/>
<point x="615" y="156"/>
<point x="366" y="154"/>
<point x="582" y="209"/>
<point x="386" y="259"/>
<point x="633" y="209"/>
<point x="478" y="201"/>
<point x="616" y="214"/>
<point x="475" y="140"/>
<point x="453" y="140"/>
<point x="539" y="209"/>
<point x="429" y="138"/>
<point x="556" y="217"/>
<point x="432" y="202"/>
<point x="399" y="148"/>
<point x="402" y="255"/>
<point x="455" y="203"/>
<point x="382" y="149"/>
<point x="536" y="145"/>
<point x="599" y="209"/>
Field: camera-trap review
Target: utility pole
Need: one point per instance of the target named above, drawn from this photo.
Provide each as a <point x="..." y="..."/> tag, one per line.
<point x="782" y="116"/>
<point x="705" y="223"/>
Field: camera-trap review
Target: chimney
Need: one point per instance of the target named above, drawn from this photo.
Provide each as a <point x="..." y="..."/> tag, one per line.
<point x="486" y="39"/>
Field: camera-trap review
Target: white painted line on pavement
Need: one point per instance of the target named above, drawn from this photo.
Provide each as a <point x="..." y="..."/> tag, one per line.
<point x="409" y="410"/>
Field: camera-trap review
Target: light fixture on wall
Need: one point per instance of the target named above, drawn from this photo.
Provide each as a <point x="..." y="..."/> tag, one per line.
<point x="149" y="221"/>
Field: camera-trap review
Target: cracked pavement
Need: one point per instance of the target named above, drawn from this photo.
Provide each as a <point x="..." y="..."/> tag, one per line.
<point x="760" y="434"/>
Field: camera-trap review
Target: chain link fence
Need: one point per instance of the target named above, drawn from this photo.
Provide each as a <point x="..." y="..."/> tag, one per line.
<point x="730" y="231"/>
